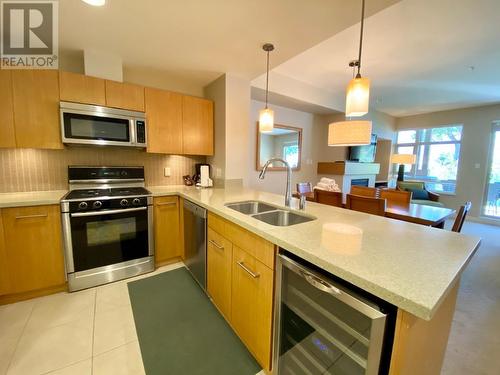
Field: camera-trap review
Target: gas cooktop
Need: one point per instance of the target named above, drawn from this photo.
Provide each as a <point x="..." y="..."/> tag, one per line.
<point x="109" y="192"/>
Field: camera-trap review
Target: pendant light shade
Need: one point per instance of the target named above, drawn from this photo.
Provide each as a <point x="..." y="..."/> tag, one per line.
<point x="350" y="133"/>
<point x="266" y="120"/>
<point x="358" y="91"/>
<point x="357" y="97"/>
<point x="266" y="115"/>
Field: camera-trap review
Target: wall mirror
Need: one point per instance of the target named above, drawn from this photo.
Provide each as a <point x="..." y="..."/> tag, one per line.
<point x="284" y="142"/>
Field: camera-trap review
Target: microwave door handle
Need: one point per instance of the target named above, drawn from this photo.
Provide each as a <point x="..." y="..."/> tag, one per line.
<point x="108" y="212"/>
<point x="133" y="132"/>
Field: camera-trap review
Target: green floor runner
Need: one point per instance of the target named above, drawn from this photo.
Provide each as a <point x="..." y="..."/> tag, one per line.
<point x="181" y="332"/>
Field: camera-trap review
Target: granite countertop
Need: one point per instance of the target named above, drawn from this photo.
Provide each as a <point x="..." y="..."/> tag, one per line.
<point x="409" y="265"/>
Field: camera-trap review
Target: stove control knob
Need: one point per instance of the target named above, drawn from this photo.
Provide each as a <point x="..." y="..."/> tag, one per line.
<point x="136" y="202"/>
<point x="97" y="204"/>
<point x="82" y="205"/>
<point x="124" y="203"/>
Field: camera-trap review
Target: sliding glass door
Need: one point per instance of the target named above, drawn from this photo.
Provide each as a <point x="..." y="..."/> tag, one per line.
<point x="491" y="207"/>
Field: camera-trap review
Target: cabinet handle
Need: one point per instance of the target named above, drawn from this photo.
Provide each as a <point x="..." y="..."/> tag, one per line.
<point x="216" y="245"/>
<point x="253" y="274"/>
<point x="31" y="216"/>
<point x="166" y="204"/>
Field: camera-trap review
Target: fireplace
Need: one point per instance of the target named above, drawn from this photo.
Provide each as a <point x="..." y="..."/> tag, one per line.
<point x="360" y="182"/>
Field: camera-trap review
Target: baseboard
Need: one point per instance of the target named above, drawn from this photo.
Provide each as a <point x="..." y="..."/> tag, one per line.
<point x="11" y="298"/>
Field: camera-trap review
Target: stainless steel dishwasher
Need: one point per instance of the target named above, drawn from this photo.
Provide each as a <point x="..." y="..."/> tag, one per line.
<point x="195" y="241"/>
<point x="324" y="327"/>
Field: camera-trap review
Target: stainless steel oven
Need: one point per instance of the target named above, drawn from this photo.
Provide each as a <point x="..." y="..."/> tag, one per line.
<point x="95" y="125"/>
<point x="107" y="226"/>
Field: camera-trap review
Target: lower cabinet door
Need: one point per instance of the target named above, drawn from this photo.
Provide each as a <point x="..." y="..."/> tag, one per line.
<point x="252" y="304"/>
<point x="167" y="233"/>
<point x="219" y="257"/>
<point x="33" y="247"/>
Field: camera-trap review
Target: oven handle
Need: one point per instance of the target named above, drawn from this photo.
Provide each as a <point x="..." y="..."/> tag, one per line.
<point x="108" y="212"/>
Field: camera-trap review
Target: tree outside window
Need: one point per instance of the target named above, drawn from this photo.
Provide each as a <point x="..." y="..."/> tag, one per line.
<point x="438" y="154"/>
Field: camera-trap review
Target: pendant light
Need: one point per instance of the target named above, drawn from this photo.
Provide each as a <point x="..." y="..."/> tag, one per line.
<point x="266" y="115"/>
<point x="358" y="89"/>
<point x="354" y="133"/>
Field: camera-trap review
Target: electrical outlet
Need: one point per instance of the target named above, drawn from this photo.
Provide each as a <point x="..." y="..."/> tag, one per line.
<point x="218" y="173"/>
<point x="166" y="171"/>
<point x="309" y="161"/>
<point x="477" y="165"/>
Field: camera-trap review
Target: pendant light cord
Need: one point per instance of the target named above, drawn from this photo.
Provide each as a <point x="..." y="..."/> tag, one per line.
<point x="361" y="37"/>
<point x="267" y="77"/>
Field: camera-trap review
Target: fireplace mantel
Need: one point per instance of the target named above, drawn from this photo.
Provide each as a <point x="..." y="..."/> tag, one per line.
<point x="345" y="171"/>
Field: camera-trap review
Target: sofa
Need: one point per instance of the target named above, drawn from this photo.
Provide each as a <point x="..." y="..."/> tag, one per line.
<point x="420" y="194"/>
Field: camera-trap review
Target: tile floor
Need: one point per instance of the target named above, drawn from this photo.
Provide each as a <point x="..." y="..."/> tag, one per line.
<point x="82" y="333"/>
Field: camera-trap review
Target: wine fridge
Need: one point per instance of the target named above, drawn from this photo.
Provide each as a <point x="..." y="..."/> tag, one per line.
<point x="324" y="327"/>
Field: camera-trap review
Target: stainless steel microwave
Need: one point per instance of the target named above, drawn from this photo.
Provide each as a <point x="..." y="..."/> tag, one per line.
<point x="95" y="125"/>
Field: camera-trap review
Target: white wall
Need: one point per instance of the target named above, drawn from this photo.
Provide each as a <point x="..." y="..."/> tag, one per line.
<point x="477" y="124"/>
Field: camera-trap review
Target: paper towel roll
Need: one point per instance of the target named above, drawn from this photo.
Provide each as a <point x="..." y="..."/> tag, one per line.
<point x="204" y="176"/>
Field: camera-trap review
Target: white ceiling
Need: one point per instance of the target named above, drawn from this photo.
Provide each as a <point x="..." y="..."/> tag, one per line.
<point x="202" y="39"/>
<point x="418" y="54"/>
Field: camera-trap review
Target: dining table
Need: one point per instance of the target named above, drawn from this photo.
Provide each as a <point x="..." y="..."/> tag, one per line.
<point x="420" y="214"/>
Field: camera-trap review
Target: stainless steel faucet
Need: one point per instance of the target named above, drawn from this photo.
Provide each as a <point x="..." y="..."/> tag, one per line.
<point x="288" y="192"/>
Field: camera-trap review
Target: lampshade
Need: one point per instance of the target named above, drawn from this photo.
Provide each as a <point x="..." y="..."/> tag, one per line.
<point x="357" y="97"/>
<point x="403" y="159"/>
<point x="350" y="133"/>
<point x="266" y="120"/>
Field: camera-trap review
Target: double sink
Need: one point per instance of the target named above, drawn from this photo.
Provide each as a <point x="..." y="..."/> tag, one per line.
<point x="269" y="214"/>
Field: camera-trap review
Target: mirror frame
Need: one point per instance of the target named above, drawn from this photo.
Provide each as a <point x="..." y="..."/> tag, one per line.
<point x="258" y="161"/>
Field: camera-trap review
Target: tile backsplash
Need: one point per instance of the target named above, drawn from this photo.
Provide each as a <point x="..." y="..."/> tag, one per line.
<point x="39" y="170"/>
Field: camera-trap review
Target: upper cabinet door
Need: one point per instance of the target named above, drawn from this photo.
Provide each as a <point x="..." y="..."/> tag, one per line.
<point x="197" y="126"/>
<point x="82" y="89"/>
<point x="7" y="134"/>
<point x="125" y="96"/>
<point x="36" y="108"/>
<point x="164" y="121"/>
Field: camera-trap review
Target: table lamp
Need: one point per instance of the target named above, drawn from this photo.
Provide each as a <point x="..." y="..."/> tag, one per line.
<point x="403" y="159"/>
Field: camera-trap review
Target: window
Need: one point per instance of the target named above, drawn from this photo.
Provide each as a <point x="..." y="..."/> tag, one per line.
<point x="291" y="154"/>
<point x="438" y="153"/>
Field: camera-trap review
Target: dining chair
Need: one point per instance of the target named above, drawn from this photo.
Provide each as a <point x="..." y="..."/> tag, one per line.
<point x="462" y="213"/>
<point x="305" y="188"/>
<point x="364" y="191"/>
<point x="394" y="197"/>
<point x="369" y="205"/>
<point x="332" y="198"/>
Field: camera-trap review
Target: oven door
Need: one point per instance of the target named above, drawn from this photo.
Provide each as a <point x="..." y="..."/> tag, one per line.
<point x="109" y="237"/>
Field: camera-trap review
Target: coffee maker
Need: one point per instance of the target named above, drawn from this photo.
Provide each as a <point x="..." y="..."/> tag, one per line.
<point x="202" y="175"/>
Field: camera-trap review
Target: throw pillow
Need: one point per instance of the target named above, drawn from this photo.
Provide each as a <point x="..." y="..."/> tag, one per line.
<point x="419" y="194"/>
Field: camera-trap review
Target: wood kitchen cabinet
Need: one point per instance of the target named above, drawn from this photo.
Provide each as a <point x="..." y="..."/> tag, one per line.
<point x="80" y="88"/>
<point x="124" y="96"/>
<point x="166" y="229"/>
<point x="33" y="248"/>
<point x="36" y="108"/>
<point x="197" y="126"/>
<point x="7" y="133"/>
<point x="219" y="258"/>
<point x="244" y="282"/>
<point x="4" y="279"/>
<point x="252" y="304"/>
<point x="164" y="121"/>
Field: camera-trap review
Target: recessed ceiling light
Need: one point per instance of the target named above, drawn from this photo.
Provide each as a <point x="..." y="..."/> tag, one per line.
<point x="96" y="3"/>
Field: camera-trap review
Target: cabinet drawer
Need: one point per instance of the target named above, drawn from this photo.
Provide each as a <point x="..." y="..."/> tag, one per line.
<point x="252" y="304"/>
<point x="216" y="223"/>
<point x="219" y="257"/>
<point x="256" y="246"/>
